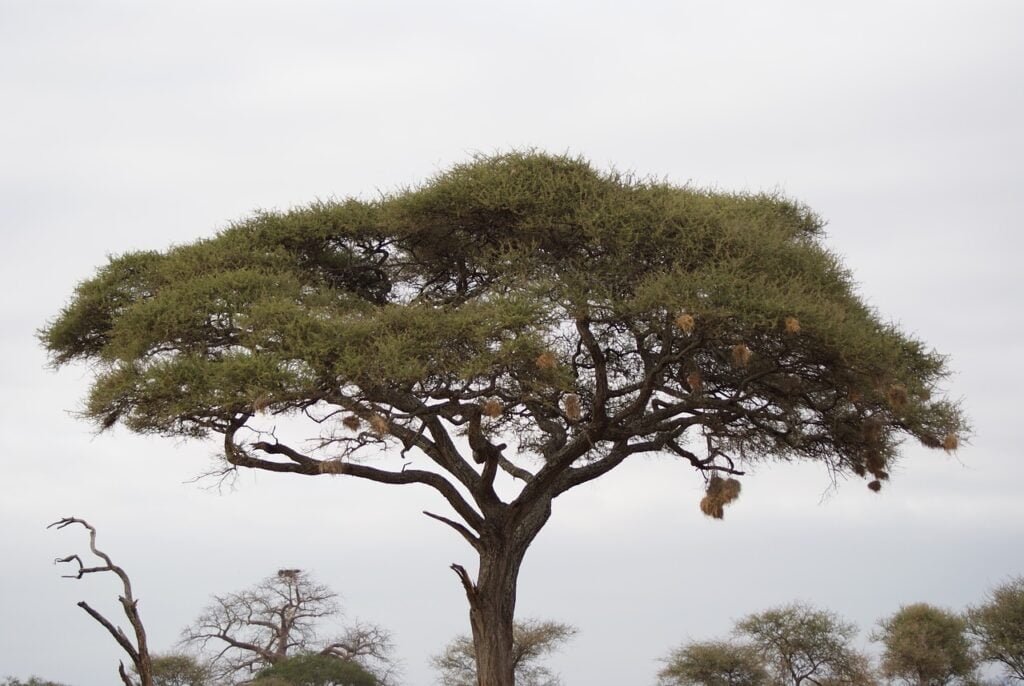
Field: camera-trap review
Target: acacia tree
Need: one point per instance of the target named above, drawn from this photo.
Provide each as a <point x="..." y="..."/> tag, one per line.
<point x="997" y="627"/>
<point x="276" y="619"/>
<point x="802" y="644"/>
<point x="532" y="641"/>
<point x="315" y="669"/>
<point x="520" y="315"/>
<point x="714" y="663"/>
<point x="179" y="669"/>
<point x="924" y="645"/>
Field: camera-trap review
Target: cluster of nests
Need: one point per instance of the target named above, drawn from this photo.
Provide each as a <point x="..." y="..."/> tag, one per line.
<point x="720" y="492"/>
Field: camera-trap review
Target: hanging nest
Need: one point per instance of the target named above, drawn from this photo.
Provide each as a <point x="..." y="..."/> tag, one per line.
<point x="741" y="355"/>
<point x="875" y="485"/>
<point x="352" y="422"/>
<point x="897" y="396"/>
<point x="695" y="381"/>
<point x="331" y="467"/>
<point x="571" y="405"/>
<point x="872" y="430"/>
<point x="929" y="441"/>
<point x="720" y="492"/>
<point x="262" y="402"/>
<point x="379" y="425"/>
<point x="874" y="461"/>
<point x="950" y="443"/>
<point x="792" y="325"/>
<point x="712" y="508"/>
<point x="492" y="408"/>
<point x="546" y="360"/>
<point x="685" y="322"/>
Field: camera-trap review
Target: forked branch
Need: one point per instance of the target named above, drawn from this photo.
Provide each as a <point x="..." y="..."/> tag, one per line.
<point x="139" y="651"/>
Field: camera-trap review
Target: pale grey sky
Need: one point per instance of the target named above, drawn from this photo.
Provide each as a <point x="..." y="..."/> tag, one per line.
<point x="131" y="125"/>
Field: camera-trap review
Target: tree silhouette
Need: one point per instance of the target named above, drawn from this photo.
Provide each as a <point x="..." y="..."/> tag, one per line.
<point x="516" y="327"/>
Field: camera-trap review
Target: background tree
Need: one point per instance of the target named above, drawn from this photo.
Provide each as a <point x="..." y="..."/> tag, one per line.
<point x="277" y="618"/>
<point x="180" y="669"/>
<point x="532" y="641"/>
<point x="923" y="645"/>
<point x="997" y="627"/>
<point x="522" y="314"/>
<point x="714" y="663"/>
<point x="803" y="644"/>
<point x="138" y="651"/>
<point x="31" y="681"/>
<point x="316" y="669"/>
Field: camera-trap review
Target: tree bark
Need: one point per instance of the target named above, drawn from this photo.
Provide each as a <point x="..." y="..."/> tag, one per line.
<point x="492" y="598"/>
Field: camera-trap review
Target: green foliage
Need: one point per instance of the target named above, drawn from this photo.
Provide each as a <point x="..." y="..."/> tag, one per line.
<point x="803" y="644"/>
<point x="532" y="641"/>
<point x="714" y="663"/>
<point x="452" y="290"/>
<point x="997" y="626"/>
<point x="316" y="670"/>
<point x="32" y="681"/>
<point x="925" y="645"/>
<point x="179" y="669"/>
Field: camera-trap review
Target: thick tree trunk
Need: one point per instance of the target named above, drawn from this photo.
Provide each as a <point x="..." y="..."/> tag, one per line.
<point x="492" y="599"/>
<point x="491" y="613"/>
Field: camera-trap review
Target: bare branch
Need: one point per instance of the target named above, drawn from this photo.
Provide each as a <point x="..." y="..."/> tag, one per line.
<point x="467" y="581"/>
<point x="139" y="651"/>
<point x="463" y="531"/>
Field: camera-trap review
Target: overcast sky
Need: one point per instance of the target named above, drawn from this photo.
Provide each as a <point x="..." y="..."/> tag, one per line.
<point x="132" y="125"/>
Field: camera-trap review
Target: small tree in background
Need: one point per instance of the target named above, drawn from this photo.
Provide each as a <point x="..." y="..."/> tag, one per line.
<point x="277" y="618"/>
<point x="31" y="681"/>
<point x="523" y="315"/>
<point x="316" y="669"/>
<point x="532" y="641"/>
<point x="997" y="627"/>
<point x="179" y="669"/>
<point x="923" y="645"/>
<point x="802" y="644"/>
<point x="714" y="663"/>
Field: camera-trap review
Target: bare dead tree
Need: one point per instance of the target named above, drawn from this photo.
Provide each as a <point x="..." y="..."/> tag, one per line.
<point x="370" y="646"/>
<point x="138" y="651"/>
<point x="276" y="619"/>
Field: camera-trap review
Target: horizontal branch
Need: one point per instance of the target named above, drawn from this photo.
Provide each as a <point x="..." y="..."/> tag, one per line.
<point x="308" y="466"/>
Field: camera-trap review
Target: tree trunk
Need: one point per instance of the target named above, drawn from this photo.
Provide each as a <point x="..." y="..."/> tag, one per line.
<point x="492" y="599"/>
<point x="492" y="610"/>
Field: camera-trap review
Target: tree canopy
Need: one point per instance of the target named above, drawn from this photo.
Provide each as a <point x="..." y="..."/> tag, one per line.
<point x="521" y="279"/>
<point x="532" y="641"/>
<point x="280" y="617"/>
<point x="714" y="663"/>
<point x="997" y="626"/>
<point x="924" y="645"/>
<point x="802" y="644"/>
<point x="314" y="669"/>
<point x="523" y="314"/>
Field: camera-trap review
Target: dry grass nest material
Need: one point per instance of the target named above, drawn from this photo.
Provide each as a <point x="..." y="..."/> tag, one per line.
<point x="331" y="467"/>
<point x="720" y="492"/>
<point x="741" y="355"/>
<point x="492" y="408"/>
<point x="685" y="322"/>
<point x="571" y="404"/>
<point x="379" y="425"/>
<point x="546" y="360"/>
